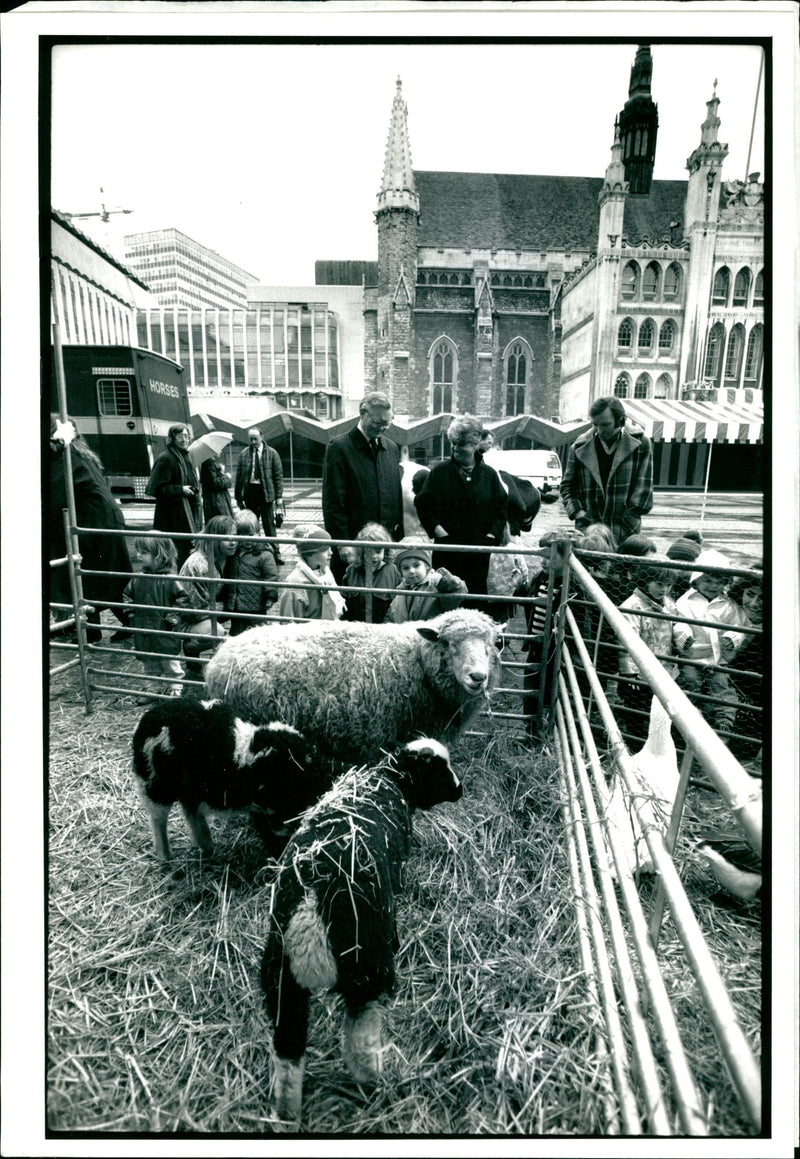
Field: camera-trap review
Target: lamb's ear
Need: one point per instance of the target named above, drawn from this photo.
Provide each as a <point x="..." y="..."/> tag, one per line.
<point x="428" y="634"/>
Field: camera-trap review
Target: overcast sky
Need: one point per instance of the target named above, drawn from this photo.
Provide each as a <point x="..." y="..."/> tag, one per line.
<point x="273" y="155"/>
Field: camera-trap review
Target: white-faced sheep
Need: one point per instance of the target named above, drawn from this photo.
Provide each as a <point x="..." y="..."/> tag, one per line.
<point x="353" y="688"/>
<point x="333" y="910"/>
<point x="202" y="755"/>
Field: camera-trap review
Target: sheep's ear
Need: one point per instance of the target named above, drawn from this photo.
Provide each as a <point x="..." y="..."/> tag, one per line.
<point x="428" y="634"/>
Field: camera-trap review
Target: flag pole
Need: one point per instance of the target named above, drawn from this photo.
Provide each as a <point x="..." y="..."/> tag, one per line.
<point x="755" y="110"/>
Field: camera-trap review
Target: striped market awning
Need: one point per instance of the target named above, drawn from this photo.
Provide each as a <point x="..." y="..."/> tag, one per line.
<point x="670" y="420"/>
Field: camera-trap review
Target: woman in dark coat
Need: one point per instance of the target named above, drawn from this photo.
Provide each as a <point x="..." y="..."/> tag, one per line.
<point x="463" y="501"/>
<point x="95" y="506"/>
<point x="215" y="481"/>
<point x="174" y="483"/>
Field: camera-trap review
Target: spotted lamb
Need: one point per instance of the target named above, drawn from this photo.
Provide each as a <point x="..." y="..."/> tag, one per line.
<point x="333" y="910"/>
<point x="201" y="754"/>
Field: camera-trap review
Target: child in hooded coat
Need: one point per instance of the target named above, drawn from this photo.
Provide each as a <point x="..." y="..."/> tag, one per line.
<point x="254" y="560"/>
<point x="315" y="596"/>
<point x="428" y="592"/>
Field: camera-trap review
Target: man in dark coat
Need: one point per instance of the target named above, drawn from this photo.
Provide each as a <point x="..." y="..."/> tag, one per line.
<point x="609" y="474"/>
<point x="174" y="483"/>
<point x="361" y="479"/>
<point x="95" y="506"/>
<point x="259" y="483"/>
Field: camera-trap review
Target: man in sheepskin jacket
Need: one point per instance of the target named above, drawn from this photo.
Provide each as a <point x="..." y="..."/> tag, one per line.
<point x="609" y="473"/>
<point x="361" y="479"/>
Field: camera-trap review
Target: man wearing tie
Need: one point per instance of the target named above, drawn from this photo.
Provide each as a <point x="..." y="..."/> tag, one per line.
<point x="361" y="479"/>
<point x="259" y="482"/>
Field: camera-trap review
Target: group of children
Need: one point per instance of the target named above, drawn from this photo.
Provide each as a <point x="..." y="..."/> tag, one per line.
<point x="229" y="579"/>
<point x="703" y="626"/>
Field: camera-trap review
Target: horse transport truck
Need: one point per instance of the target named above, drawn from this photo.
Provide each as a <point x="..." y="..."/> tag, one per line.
<point x="123" y="400"/>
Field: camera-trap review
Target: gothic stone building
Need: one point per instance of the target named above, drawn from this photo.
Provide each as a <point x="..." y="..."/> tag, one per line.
<point x="508" y="295"/>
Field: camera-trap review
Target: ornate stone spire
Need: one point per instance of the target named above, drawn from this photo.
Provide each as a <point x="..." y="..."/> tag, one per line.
<point x="638" y="123"/>
<point x="397" y="188"/>
<point x="710" y="151"/>
<point x="615" y="172"/>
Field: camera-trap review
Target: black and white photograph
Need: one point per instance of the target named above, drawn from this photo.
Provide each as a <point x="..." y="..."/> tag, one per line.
<point x="389" y="732"/>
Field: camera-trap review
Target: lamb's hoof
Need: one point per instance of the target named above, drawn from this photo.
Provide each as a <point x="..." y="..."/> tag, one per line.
<point x="286" y="1101"/>
<point x="363" y="1045"/>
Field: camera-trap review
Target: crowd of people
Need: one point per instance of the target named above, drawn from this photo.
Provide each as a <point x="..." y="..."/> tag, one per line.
<point x="188" y="593"/>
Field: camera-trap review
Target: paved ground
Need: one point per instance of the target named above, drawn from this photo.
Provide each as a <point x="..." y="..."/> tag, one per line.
<point x="731" y="522"/>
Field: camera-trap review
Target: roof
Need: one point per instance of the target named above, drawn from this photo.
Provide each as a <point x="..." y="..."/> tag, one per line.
<point x="518" y="211"/>
<point x="66" y="223"/>
<point x="666" y="420"/>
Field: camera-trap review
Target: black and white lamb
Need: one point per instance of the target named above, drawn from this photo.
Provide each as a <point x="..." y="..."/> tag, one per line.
<point x="355" y="689"/>
<point x="333" y="910"/>
<point x="198" y="752"/>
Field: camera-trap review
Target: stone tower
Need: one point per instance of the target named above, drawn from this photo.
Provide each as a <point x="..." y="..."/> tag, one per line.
<point x="700" y="225"/>
<point x="638" y="125"/>
<point x="397" y="217"/>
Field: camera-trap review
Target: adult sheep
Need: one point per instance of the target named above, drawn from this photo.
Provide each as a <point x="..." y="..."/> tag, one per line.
<point x="354" y="689"/>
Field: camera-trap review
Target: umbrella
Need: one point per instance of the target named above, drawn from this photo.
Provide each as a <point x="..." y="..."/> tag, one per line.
<point x="208" y="445"/>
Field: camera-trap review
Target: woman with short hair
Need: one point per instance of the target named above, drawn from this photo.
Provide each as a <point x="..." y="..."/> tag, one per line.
<point x="462" y="501"/>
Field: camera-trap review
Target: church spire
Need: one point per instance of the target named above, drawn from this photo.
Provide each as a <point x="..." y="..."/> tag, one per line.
<point x="638" y="123"/>
<point x="397" y="188"/>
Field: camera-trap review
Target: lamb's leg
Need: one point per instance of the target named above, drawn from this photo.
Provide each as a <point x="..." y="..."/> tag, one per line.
<point x="201" y="833"/>
<point x="158" y="821"/>
<point x="363" y="1042"/>
<point x="287" y="1004"/>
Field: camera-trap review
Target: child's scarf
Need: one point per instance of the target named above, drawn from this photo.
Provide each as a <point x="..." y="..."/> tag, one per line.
<point x="332" y="601"/>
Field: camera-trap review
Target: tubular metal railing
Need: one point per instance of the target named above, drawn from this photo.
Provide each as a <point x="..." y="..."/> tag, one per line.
<point x="635" y="1026"/>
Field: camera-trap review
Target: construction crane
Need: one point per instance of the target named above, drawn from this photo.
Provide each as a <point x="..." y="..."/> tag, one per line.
<point x="103" y="214"/>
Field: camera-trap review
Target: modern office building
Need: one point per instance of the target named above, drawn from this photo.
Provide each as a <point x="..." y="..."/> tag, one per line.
<point x="182" y="272"/>
<point x="297" y="348"/>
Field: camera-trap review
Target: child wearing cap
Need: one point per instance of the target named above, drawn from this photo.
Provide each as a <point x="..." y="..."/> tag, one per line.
<point x="651" y="594"/>
<point x="426" y="593"/>
<point x="706" y="600"/>
<point x="369" y="569"/>
<point x="314" y="594"/>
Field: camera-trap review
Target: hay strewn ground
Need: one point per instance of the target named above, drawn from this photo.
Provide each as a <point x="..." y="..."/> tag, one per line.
<point x="155" y="1018"/>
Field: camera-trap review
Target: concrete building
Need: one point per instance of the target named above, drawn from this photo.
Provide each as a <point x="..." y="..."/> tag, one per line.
<point x="182" y="272"/>
<point x="294" y="348"/>
<point x="93" y="296"/>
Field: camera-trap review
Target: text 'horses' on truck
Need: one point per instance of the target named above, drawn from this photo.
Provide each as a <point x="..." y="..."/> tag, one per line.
<point x="123" y="401"/>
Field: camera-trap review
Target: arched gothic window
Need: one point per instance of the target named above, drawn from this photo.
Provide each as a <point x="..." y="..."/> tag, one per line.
<point x="672" y="282"/>
<point x="517" y="370"/>
<point x="752" y="363"/>
<point x="663" y="386"/>
<point x="741" y="287"/>
<point x="758" y="292"/>
<point x="646" y="336"/>
<point x="714" y="345"/>
<point x="642" y="388"/>
<point x="666" y="335"/>
<point x="721" y="288"/>
<point x="650" y="281"/>
<point x="622" y="385"/>
<point x="630" y="280"/>
<point x="625" y="335"/>
<point x="443" y="370"/>
<point x="733" y="357"/>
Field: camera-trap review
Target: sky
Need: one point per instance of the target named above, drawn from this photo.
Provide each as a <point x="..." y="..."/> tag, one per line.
<point x="273" y="154"/>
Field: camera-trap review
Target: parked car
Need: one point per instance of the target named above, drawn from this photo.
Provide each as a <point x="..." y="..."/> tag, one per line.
<point x="542" y="468"/>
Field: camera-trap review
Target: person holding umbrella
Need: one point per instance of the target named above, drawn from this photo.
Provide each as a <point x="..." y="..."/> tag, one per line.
<point x="214" y="479"/>
<point x="174" y="484"/>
